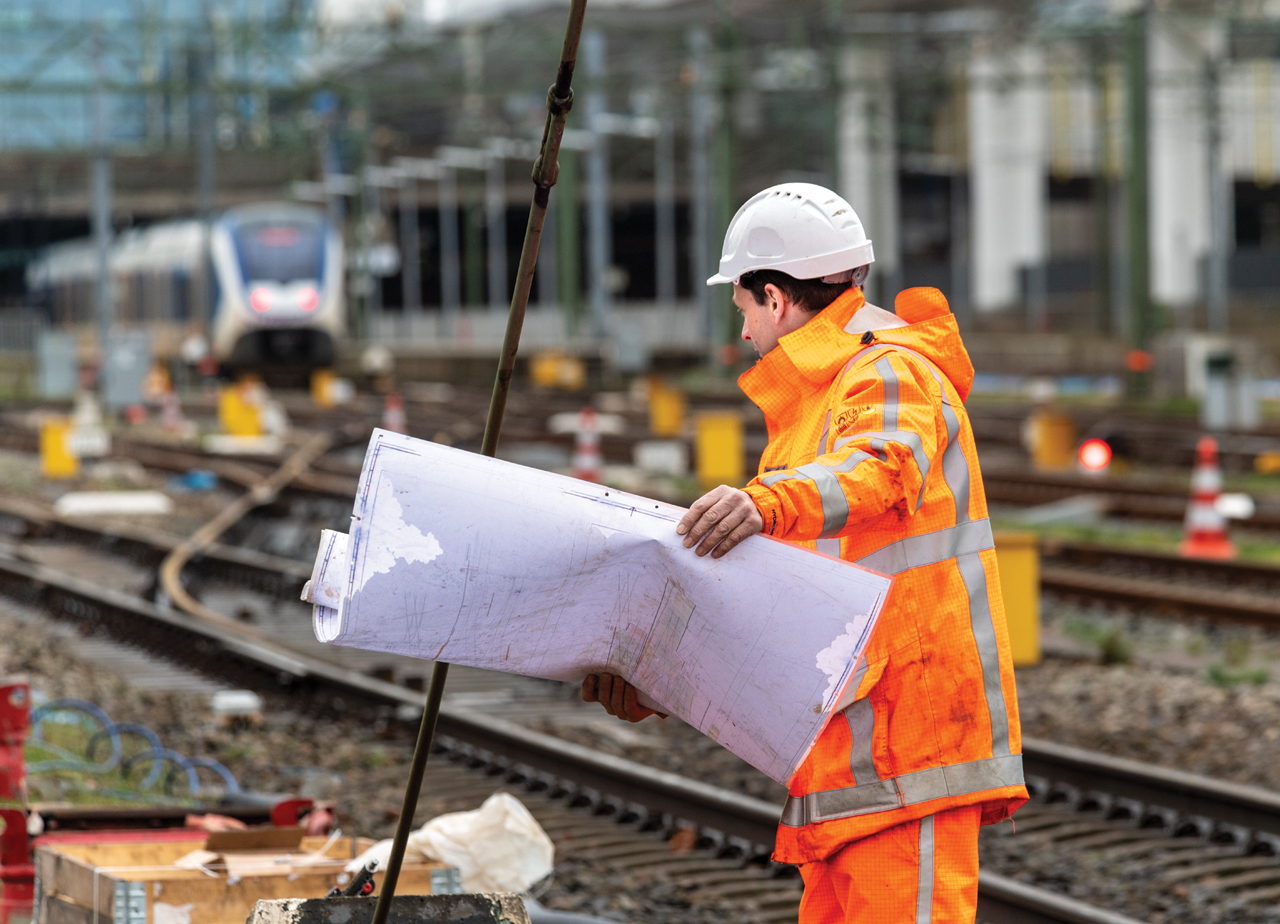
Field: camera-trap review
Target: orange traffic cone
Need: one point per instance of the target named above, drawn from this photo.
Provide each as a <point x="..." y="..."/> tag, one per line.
<point x="1205" y="530"/>
<point x="393" y="418"/>
<point x="586" y="448"/>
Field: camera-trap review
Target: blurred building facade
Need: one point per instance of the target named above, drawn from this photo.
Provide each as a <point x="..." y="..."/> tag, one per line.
<point x="1107" y="166"/>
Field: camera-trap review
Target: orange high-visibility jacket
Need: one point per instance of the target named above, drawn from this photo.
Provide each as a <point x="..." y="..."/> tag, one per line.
<point x="871" y="458"/>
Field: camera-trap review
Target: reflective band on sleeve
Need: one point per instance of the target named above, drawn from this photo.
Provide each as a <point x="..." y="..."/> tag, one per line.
<point x="829" y="547"/>
<point x="862" y="730"/>
<point x="931" y="548"/>
<point x="835" y="506"/>
<point x="822" y="440"/>
<point x="885" y="368"/>
<point x="878" y="440"/>
<point x="924" y="891"/>
<point x="974" y="575"/>
<point x="908" y="789"/>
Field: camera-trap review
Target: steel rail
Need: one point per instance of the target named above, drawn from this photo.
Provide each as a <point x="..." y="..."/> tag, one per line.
<point x="1189" y="794"/>
<point x="263" y="492"/>
<point x="269" y="667"/>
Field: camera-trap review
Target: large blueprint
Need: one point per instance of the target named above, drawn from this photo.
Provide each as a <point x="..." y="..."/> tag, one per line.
<point x="471" y="560"/>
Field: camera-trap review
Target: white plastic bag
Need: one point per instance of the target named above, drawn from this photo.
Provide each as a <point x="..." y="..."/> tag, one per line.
<point x="498" y="847"/>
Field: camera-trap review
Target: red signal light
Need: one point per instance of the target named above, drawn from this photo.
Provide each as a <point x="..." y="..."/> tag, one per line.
<point x="308" y="299"/>
<point x="260" y="300"/>
<point x="1094" y="455"/>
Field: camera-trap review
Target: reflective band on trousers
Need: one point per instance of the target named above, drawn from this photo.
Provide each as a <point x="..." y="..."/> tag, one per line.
<point x="924" y="889"/>
<point x="900" y="791"/>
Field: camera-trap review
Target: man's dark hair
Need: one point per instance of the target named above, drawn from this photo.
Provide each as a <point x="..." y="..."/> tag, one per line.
<point x="809" y="294"/>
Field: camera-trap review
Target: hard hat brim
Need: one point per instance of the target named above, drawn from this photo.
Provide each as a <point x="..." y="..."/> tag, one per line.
<point x="718" y="280"/>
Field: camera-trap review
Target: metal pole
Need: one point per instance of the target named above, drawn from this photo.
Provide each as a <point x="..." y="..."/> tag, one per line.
<point x="559" y="101"/>
<point x="664" y="208"/>
<point x="599" y="232"/>
<point x="700" y="173"/>
<point x="206" y="166"/>
<point x="1103" y="256"/>
<point x="1219" y="202"/>
<point x="102" y="230"/>
<point x="450" y="265"/>
<point x="1137" y="192"/>
<point x="410" y="251"/>
<point x="495" y="208"/>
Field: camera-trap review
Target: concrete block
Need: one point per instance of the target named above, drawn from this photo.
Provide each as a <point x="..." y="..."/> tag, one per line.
<point x="474" y="908"/>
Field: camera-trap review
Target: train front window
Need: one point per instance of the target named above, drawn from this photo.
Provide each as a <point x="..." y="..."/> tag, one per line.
<point x="280" y="251"/>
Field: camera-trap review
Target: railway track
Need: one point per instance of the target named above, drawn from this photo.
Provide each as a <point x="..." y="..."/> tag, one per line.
<point x="1227" y="591"/>
<point x="627" y="813"/>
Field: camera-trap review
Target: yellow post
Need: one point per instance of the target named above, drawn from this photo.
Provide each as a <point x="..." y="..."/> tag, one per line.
<point x="56" y="458"/>
<point x="237" y="416"/>
<point x="1018" y="557"/>
<point x="666" y="409"/>
<point x="322" y="388"/>
<point x="1051" y="437"/>
<point x="554" y="369"/>
<point x="720" y="452"/>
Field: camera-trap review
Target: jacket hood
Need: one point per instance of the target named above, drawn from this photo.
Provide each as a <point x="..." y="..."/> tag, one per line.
<point x="808" y="358"/>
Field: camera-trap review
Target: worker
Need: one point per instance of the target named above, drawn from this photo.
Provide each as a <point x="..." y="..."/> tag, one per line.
<point x="871" y="458"/>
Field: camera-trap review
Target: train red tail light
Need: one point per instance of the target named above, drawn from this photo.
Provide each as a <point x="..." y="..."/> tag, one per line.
<point x="308" y="299"/>
<point x="1094" y="455"/>
<point x="260" y="300"/>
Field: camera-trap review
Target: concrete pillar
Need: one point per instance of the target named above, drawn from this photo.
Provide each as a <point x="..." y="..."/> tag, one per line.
<point x="1181" y="195"/>
<point x="867" y="159"/>
<point x="495" y="224"/>
<point x="1008" y="138"/>
<point x="599" y="217"/>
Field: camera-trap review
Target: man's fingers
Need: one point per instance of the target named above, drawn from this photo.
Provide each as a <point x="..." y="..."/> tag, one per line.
<point x="617" y="697"/>
<point x="744" y="530"/>
<point x="635" y="712"/>
<point x="728" y="518"/>
<point x="696" y="510"/>
<point x="605" y="692"/>
<point x="590" y="686"/>
<point x="716" y="519"/>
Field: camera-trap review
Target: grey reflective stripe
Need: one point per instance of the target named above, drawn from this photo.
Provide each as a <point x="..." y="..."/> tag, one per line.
<point x="822" y="440"/>
<point x="774" y="477"/>
<point x="835" y="506"/>
<point x="829" y="547"/>
<point x="878" y="440"/>
<point x="931" y="548"/>
<point x="974" y="576"/>
<point x="862" y="731"/>
<point x="924" y="892"/>
<point x="890" y="393"/>
<point x="955" y="467"/>
<point x="908" y="789"/>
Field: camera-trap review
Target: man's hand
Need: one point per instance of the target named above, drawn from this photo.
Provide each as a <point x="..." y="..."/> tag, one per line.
<point x="616" y="695"/>
<point x="719" y="520"/>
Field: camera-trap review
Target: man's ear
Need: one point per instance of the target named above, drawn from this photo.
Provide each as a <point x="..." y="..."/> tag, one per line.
<point x="775" y="301"/>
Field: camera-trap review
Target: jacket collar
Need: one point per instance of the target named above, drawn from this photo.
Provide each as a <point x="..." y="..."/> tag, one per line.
<point x="804" y="362"/>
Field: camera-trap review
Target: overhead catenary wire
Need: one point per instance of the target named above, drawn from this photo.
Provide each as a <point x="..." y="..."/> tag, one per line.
<point x="545" y="170"/>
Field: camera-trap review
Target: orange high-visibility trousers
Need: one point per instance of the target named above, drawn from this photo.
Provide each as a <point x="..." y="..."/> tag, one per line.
<point x="919" y="872"/>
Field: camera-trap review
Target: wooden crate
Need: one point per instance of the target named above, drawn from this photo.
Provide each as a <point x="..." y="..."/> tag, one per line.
<point x="135" y="882"/>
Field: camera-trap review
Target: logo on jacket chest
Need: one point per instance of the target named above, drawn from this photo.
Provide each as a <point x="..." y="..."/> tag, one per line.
<point x="849" y="417"/>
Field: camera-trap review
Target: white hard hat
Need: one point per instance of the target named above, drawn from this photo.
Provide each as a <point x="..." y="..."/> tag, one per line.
<point x="800" y="229"/>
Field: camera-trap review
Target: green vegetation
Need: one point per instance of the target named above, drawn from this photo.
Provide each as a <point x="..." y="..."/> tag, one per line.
<point x="1113" y="645"/>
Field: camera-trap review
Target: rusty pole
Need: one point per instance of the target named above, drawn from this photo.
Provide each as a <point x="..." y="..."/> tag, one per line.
<point x="545" y="170"/>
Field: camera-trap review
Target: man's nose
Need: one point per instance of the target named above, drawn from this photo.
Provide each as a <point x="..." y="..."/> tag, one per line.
<point x="746" y="335"/>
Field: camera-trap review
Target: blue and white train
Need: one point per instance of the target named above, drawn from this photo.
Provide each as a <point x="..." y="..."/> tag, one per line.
<point x="270" y="274"/>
